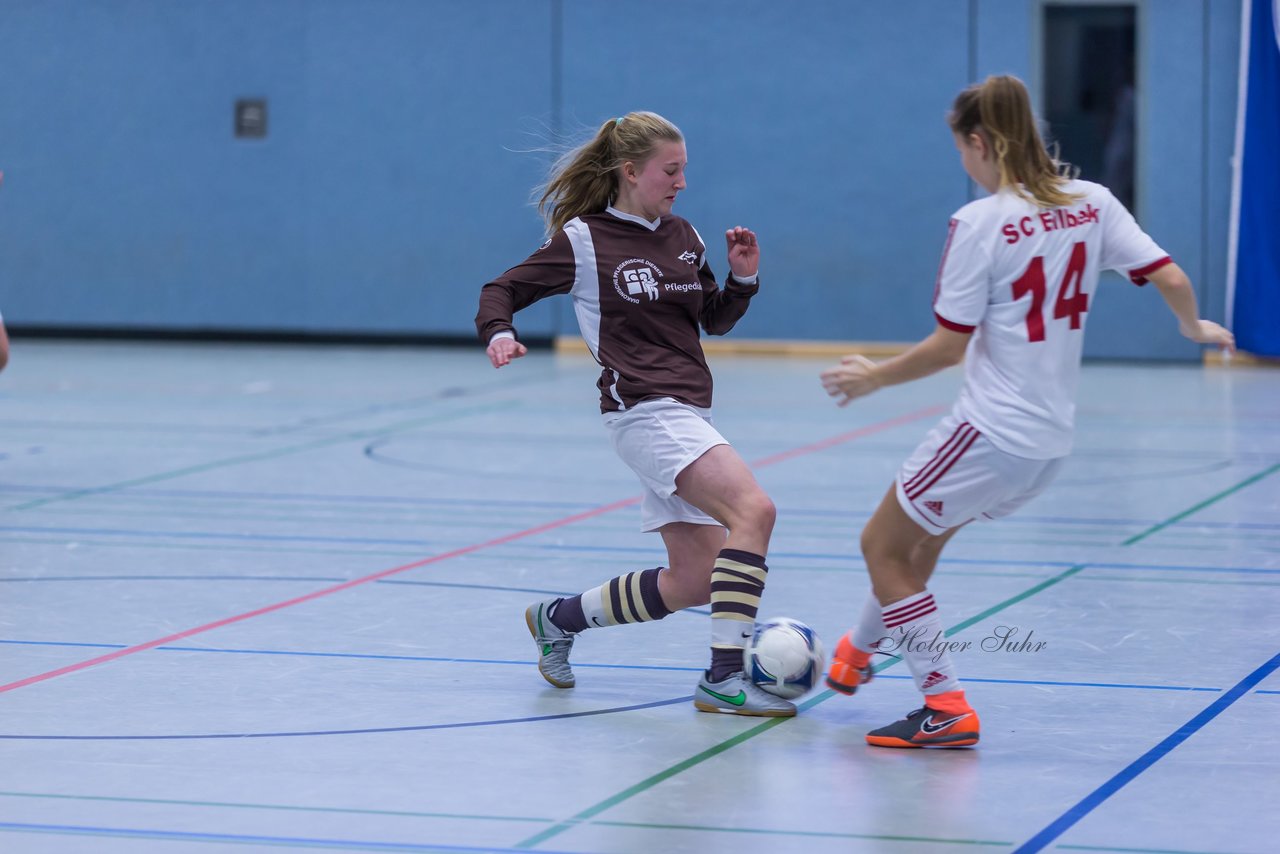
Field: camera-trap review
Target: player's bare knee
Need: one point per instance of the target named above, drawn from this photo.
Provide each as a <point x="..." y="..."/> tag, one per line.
<point x="763" y="513"/>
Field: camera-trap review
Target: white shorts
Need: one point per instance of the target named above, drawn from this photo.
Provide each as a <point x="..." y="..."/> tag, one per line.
<point x="659" y="439"/>
<point x="956" y="475"/>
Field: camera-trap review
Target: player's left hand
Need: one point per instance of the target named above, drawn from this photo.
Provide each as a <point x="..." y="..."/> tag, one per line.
<point x="744" y="252"/>
<point x="854" y="377"/>
<point x="1208" y="332"/>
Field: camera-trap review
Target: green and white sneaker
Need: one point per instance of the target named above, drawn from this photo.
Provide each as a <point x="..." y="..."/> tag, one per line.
<point x="738" y="695"/>
<point x="554" y="645"/>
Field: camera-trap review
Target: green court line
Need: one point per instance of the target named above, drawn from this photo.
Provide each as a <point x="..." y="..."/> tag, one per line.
<point x="648" y="783"/>
<point x="283" y="807"/>
<point x="265" y="455"/>
<point x="811" y="833"/>
<point x="220" y="839"/>
<point x="1203" y="504"/>
<point x="477" y="817"/>
<point x="1095" y="577"/>
<point x="745" y="735"/>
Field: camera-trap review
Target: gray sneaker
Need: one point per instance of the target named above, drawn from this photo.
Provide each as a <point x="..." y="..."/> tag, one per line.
<point x="553" y="643"/>
<point x="738" y="695"/>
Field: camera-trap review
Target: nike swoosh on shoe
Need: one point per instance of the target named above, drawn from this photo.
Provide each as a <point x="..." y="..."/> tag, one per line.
<point x="928" y="726"/>
<point x="737" y="700"/>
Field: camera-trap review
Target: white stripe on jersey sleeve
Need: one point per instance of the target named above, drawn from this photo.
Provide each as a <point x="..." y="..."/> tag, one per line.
<point x="586" y="291"/>
<point x="703" y="256"/>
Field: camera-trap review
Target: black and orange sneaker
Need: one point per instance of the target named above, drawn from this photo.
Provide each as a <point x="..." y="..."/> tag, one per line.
<point x="845" y="675"/>
<point x="926" y="727"/>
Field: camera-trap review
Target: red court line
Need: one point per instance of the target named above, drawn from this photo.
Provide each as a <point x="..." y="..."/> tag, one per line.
<point x="518" y="535"/>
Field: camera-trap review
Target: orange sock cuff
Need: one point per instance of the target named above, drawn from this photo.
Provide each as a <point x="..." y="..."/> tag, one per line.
<point x="850" y="654"/>
<point x="857" y="657"/>
<point x="949" y="702"/>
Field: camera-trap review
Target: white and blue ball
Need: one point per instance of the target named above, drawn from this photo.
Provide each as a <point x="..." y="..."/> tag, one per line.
<point x="784" y="657"/>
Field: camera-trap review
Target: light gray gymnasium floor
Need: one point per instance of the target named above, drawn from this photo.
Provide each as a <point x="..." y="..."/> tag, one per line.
<point x="265" y="598"/>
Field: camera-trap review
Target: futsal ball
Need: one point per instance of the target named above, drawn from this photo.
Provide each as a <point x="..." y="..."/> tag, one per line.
<point x="784" y="657"/>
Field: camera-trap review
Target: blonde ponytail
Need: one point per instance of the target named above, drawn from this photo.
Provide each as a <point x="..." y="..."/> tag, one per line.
<point x="999" y="109"/>
<point x="585" y="179"/>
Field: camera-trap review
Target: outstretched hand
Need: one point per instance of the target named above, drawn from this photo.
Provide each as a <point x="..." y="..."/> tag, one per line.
<point x="744" y="252"/>
<point x="1208" y="332"/>
<point x="502" y="350"/>
<point x="854" y="377"/>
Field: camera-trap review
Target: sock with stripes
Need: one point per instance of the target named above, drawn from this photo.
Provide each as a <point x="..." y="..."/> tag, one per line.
<point x="736" y="584"/>
<point x="915" y="633"/>
<point x="630" y="598"/>
<point x="868" y="631"/>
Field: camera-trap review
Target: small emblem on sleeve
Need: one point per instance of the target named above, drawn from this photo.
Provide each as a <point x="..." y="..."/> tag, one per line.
<point x="689" y="257"/>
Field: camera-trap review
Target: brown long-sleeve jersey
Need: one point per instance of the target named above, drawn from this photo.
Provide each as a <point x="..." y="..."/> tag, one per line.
<point x="640" y="293"/>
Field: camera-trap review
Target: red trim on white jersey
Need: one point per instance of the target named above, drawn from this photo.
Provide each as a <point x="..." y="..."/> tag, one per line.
<point x="1139" y="276"/>
<point x="952" y="325"/>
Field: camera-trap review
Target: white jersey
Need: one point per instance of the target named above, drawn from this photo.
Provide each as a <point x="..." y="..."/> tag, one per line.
<point x="1023" y="279"/>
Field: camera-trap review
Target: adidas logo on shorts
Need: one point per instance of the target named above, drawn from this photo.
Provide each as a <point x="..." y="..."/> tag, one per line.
<point x="934" y="507"/>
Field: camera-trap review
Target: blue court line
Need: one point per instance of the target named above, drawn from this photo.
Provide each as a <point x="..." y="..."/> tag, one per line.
<point x="650" y="667"/>
<point x="854" y="561"/>
<point x="447" y="393"/>
<point x="1052" y="683"/>
<point x="361" y="731"/>
<point x="1146" y="760"/>
<point x="128" y="426"/>
<point x="306" y="496"/>
<point x="506" y="589"/>
<point x="273" y="578"/>
<point x="355" y="655"/>
<point x="243" y="839"/>
<point x="220" y="535"/>
<point x="776" y="555"/>
<point x="537" y="504"/>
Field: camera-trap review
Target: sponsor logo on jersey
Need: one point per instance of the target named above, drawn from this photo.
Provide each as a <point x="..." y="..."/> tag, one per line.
<point x="636" y="276"/>
<point x="689" y="257"/>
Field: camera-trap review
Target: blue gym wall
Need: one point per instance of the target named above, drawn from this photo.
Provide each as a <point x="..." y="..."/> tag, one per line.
<point x="402" y="141"/>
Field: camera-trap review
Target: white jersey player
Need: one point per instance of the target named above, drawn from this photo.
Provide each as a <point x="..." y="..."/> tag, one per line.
<point x="1017" y="281"/>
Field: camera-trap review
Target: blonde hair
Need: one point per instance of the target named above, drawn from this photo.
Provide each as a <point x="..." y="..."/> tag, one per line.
<point x="585" y="180"/>
<point x="999" y="109"/>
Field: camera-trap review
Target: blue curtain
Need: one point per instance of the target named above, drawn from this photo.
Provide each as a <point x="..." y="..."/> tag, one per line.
<point x="1256" y="315"/>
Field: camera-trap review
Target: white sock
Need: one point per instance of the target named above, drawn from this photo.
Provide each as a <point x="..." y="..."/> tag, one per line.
<point x="869" y="629"/>
<point x="915" y="633"/>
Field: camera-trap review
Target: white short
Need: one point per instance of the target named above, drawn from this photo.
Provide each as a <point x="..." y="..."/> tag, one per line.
<point x="956" y="475"/>
<point x="658" y="439"/>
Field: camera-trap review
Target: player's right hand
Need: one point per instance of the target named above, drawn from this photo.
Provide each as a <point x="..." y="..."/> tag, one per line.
<point x="502" y="350"/>
<point x="1208" y="332"/>
<point x="854" y="377"/>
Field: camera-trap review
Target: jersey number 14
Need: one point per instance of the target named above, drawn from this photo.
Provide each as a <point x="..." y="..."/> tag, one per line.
<point x="1071" y="302"/>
